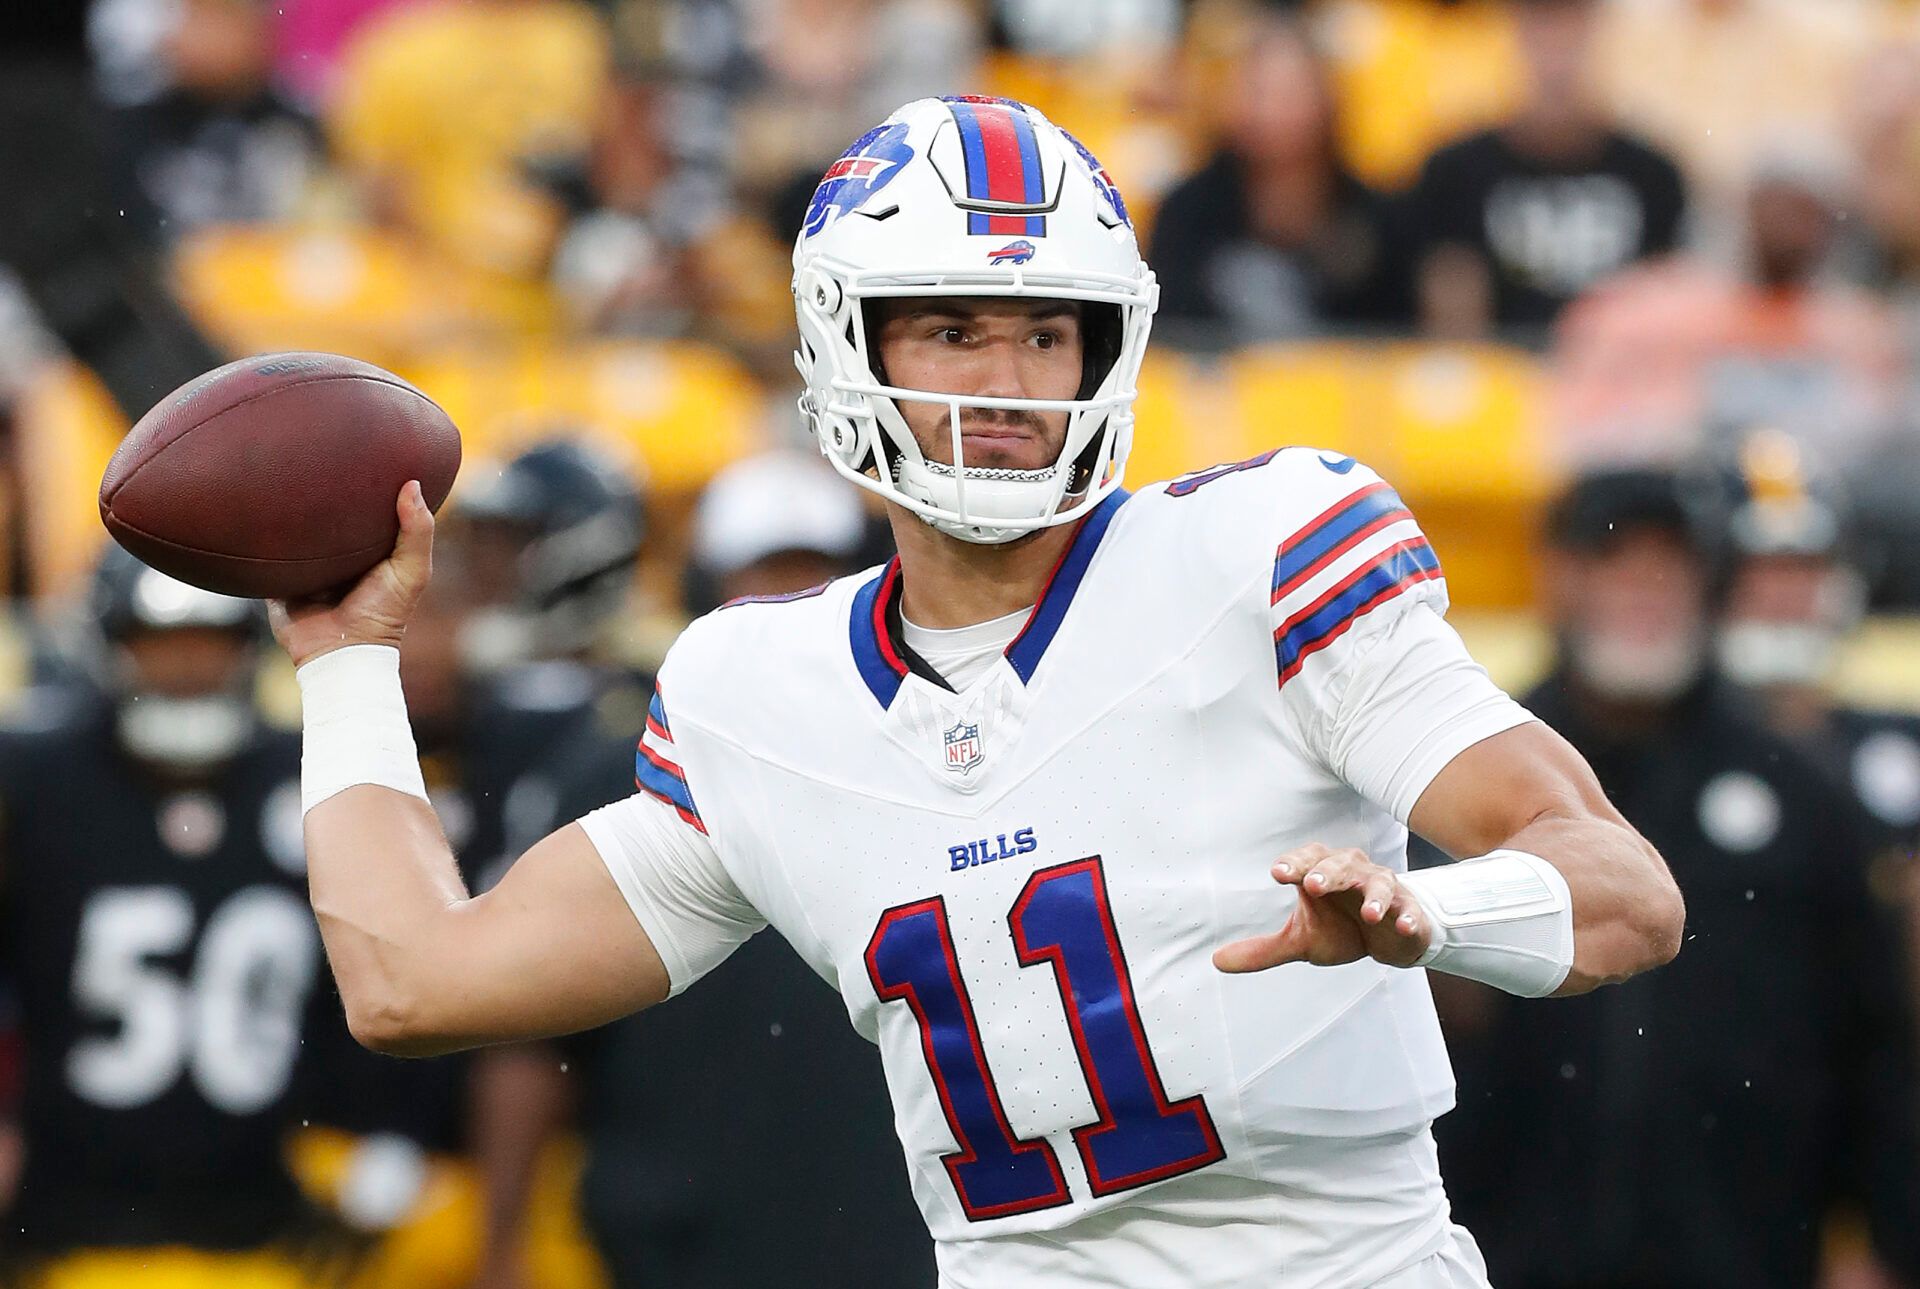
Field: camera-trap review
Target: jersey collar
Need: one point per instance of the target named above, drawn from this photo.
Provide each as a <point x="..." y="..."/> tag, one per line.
<point x="880" y="652"/>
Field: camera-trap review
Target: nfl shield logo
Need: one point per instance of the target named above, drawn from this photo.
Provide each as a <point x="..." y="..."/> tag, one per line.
<point x="963" y="747"/>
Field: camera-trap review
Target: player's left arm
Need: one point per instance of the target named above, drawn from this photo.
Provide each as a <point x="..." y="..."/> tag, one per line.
<point x="1521" y="796"/>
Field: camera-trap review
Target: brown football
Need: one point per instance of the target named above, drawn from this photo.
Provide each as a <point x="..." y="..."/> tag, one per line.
<point x="276" y="476"/>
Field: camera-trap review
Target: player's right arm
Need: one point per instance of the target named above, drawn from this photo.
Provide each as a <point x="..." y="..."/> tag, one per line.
<point x="424" y="968"/>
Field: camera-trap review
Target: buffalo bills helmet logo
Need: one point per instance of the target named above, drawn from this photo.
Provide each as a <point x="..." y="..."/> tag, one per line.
<point x="1102" y="181"/>
<point x="867" y="167"/>
<point x="1012" y="253"/>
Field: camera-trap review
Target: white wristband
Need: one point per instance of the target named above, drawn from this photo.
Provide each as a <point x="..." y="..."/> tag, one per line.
<point x="1504" y="919"/>
<point x="353" y="721"/>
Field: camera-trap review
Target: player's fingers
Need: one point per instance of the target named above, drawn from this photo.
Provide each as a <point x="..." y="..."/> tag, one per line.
<point x="413" y="553"/>
<point x="1406" y="916"/>
<point x="1291" y="867"/>
<point x="1377" y="894"/>
<point x="1342" y="870"/>
<point x="1259" y="952"/>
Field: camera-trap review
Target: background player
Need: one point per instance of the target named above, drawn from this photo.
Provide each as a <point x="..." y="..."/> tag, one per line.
<point x="1670" y="1086"/>
<point x="167" y="968"/>
<point x="1275" y="623"/>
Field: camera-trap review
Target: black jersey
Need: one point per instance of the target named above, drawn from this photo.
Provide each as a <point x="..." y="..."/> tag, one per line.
<point x="165" y="960"/>
<point x="1716" y="1110"/>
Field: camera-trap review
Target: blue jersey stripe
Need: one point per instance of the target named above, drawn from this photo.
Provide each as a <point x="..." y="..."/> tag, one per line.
<point x="658" y="712"/>
<point x="1299" y="554"/>
<point x="1404" y="564"/>
<point x="881" y="677"/>
<point x="661" y="783"/>
<point x="1028" y="647"/>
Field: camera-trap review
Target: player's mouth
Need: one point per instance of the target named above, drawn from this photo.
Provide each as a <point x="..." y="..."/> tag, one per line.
<point x="1003" y="445"/>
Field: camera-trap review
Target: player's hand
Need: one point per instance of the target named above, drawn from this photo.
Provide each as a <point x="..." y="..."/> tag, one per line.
<point x="1350" y="908"/>
<point x="377" y="608"/>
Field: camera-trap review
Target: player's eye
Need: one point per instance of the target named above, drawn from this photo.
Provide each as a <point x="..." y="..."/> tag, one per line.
<point x="951" y="335"/>
<point x="1046" y="339"/>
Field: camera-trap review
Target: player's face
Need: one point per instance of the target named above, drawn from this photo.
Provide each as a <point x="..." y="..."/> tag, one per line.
<point x="988" y="348"/>
<point x="187" y="662"/>
<point x="1633" y="615"/>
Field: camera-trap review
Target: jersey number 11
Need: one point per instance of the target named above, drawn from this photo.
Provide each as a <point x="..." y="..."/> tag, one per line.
<point x="1062" y="918"/>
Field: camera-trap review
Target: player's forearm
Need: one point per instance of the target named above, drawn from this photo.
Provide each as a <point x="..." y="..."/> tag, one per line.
<point x="383" y="881"/>
<point x="1627" y="912"/>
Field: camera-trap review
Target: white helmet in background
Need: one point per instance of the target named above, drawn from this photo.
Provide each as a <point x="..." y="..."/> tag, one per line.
<point x="969" y="196"/>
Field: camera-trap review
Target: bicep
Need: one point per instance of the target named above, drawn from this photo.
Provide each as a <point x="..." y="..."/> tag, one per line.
<point x="1495" y="788"/>
<point x="552" y="948"/>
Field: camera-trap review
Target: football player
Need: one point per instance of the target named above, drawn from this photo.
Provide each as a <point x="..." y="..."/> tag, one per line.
<point x="1094" y="806"/>
<point x="164" y="957"/>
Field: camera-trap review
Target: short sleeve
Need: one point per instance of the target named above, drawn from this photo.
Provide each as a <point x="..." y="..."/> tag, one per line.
<point x="1374" y="682"/>
<point x="675" y="884"/>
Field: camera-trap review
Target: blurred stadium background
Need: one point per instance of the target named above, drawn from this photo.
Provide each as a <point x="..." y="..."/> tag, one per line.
<point x="572" y="218"/>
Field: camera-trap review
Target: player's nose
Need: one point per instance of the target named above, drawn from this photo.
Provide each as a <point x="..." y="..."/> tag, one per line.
<point x="1003" y="370"/>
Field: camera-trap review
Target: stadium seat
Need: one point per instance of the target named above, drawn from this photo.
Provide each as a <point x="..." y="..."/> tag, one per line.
<point x="351" y="290"/>
<point x="68" y="428"/>
<point x="1465" y="446"/>
<point x="1178" y="425"/>
<point x="1298" y="395"/>
<point x="677" y="411"/>
<point x="1412" y="74"/>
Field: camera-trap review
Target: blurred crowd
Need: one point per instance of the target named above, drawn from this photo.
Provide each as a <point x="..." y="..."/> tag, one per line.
<point x="1624" y="295"/>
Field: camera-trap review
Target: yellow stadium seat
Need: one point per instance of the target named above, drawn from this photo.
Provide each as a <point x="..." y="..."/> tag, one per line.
<point x="1412" y="74"/>
<point x="1298" y="395"/>
<point x="676" y="411"/>
<point x="68" y="428"/>
<point x="1464" y="445"/>
<point x="1178" y="423"/>
<point x="440" y="105"/>
<point x="350" y="290"/>
<point x="1456" y="430"/>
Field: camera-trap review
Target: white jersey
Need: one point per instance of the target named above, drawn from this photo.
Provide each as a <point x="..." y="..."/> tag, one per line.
<point x="1017" y="887"/>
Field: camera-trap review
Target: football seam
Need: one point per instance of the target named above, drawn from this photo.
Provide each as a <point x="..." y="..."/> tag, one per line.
<point x="107" y="513"/>
<point x="235" y="406"/>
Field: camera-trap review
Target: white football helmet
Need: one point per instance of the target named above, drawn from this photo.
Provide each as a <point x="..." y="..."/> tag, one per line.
<point x="969" y="196"/>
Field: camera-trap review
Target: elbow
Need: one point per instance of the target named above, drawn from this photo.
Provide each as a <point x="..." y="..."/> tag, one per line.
<point x="392" y="1026"/>
<point x="1666" y="921"/>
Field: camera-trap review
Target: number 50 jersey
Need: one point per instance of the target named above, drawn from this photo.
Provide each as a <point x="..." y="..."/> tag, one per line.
<point x="1017" y="887"/>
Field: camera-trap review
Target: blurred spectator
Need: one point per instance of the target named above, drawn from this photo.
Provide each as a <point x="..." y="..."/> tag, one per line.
<point x="1658" y="355"/>
<point x="199" y="133"/>
<point x="676" y="1153"/>
<point x="62" y="236"/>
<point x="1067" y="29"/>
<point x="167" y="967"/>
<point x="311" y="36"/>
<point x="1273" y="238"/>
<point x="1714" y="82"/>
<point x="826" y="70"/>
<point x="770" y="525"/>
<point x="1886" y="139"/>
<point x="1518" y="220"/>
<point x="1723" y="1106"/>
<point x="443" y="109"/>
